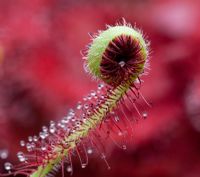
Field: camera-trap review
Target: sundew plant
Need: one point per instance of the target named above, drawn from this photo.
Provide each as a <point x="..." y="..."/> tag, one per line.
<point x="116" y="58"/>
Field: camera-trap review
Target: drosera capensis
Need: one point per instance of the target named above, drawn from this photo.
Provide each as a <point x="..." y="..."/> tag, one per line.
<point x="117" y="58"/>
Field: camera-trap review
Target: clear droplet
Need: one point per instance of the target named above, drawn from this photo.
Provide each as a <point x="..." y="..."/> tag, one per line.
<point x="64" y="120"/>
<point x="122" y="63"/>
<point x="89" y="151"/>
<point x="100" y="86"/>
<point x="93" y="93"/>
<point x="42" y="135"/>
<point x="79" y="106"/>
<point x="116" y="118"/>
<point x="62" y="125"/>
<point x="30" y="138"/>
<point x="89" y="97"/>
<point x="44" y="129"/>
<point x="120" y="133"/>
<point x="145" y="115"/>
<point x="4" y="154"/>
<point x="8" y="166"/>
<point x="83" y="165"/>
<point x="85" y="98"/>
<point x="52" y="129"/>
<point x="21" y="156"/>
<point x="71" y="112"/>
<point x="35" y="138"/>
<point x="22" y="143"/>
<point x="86" y="106"/>
<point x="28" y="147"/>
<point x="33" y="145"/>
<point x="69" y="169"/>
<point x="43" y="148"/>
<point x="52" y="123"/>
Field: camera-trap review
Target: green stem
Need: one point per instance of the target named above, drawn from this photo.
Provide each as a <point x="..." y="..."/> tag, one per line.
<point x="91" y="123"/>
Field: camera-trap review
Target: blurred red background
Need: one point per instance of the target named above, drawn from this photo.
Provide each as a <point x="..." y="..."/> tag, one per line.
<point x="42" y="76"/>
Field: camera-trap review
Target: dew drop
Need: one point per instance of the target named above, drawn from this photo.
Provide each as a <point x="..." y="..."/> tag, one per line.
<point x="43" y="148"/>
<point x="145" y="115"/>
<point x="52" y="123"/>
<point x="22" y="143"/>
<point x="89" y="97"/>
<point x="52" y="129"/>
<point x="30" y="138"/>
<point x="21" y="156"/>
<point x="28" y="147"/>
<point x="44" y="129"/>
<point x="85" y="98"/>
<point x="100" y="86"/>
<point x="8" y="166"/>
<point x="89" y="151"/>
<point x="35" y="138"/>
<point x="4" y="154"/>
<point x="122" y="63"/>
<point x="79" y="106"/>
<point x="116" y="118"/>
<point x="42" y="135"/>
<point x="69" y="169"/>
<point x="33" y="145"/>
<point x="65" y="120"/>
<point x="62" y="125"/>
<point x="83" y="165"/>
<point x="93" y="93"/>
<point x="71" y="112"/>
<point x="120" y="133"/>
<point x="86" y="106"/>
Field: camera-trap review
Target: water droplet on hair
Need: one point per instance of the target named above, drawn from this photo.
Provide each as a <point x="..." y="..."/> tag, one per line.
<point x="83" y="165"/>
<point x="43" y="148"/>
<point x="69" y="169"/>
<point x="52" y="129"/>
<point x="28" y="147"/>
<point x="120" y="133"/>
<point x="100" y="86"/>
<point x="86" y="106"/>
<point x="35" y="138"/>
<point x="116" y="118"/>
<point x="65" y="120"/>
<point x="93" y="93"/>
<point x="8" y="166"/>
<point x="122" y="63"/>
<point x="21" y="156"/>
<point x="44" y="129"/>
<point x="30" y="138"/>
<point x="42" y="135"/>
<point x="4" y="154"/>
<point x="145" y="115"/>
<point x="89" y="151"/>
<point x="52" y="123"/>
<point x="33" y="145"/>
<point x="22" y="143"/>
<point x="89" y="97"/>
<point x="79" y="106"/>
<point x="85" y="67"/>
<point x="84" y="98"/>
<point x="71" y="112"/>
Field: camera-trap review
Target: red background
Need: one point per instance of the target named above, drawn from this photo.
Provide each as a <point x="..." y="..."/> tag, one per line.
<point x="42" y="76"/>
